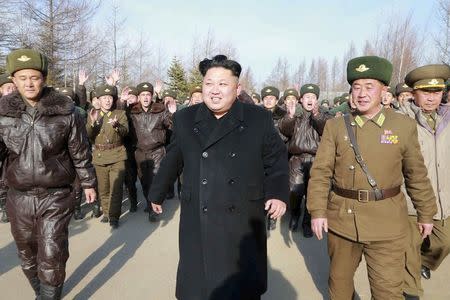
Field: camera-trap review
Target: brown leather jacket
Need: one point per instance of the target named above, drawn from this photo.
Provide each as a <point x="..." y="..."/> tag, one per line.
<point x="150" y="127"/>
<point x="303" y="131"/>
<point x="45" y="150"/>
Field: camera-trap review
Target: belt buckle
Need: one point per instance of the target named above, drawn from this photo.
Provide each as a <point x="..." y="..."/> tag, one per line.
<point x="363" y="196"/>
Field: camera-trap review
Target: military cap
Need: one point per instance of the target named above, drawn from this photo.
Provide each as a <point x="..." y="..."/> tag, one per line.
<point x="144" y="87"/>
<point x="195" y="89"/>
<point x="402" y="88"/>
<point x="337" y="100"/>
<point x="369" y="67"/>
<point x="431" y="77"/>
<point x="92" y="95"/>
<point x="26" y="59"/>
<point x="5" y="78"/>
<point x="324" y="101"/>
<point x="270" y="91"/>
<point x="291" y="92"/>
<point x="133" y="91"/>
<point x="67" y="91"/>
<point x="257" y="96"/>
<point x="106" y="90"/>
<point x="345" y="97"/>
<point x="169" y="93"/>
<point x="310" y="88"/>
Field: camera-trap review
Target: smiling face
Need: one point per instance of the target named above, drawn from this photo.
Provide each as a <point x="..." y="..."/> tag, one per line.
<point x="428" y="101"/>
<point x="106" y="102"/>
<point x="220" y="89"/>
<point x="29" y="83"/>
<point x="196" y="98"/>
<point x="367" y="95"/>
<point x="309" y="100"/>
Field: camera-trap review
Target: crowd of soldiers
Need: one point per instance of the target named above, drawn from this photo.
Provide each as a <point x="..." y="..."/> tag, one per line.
<point x="128" y="132"/>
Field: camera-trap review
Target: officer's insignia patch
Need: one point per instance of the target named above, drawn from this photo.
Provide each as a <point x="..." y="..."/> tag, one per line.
<point x="107" y="90"/>
<point x="24" y="58"/>
<point x="405" y="86"/>
<point x="433" y="82"/>
<point x="198" y="87"/>
<point x="64" y="91"/>
<point x="310" y="87"/>
<point x="290" y="92"/>
<point x="145" y="86"/>
<point x="389" y="138"/>
<point x="362" y="68"/>
<point x="268" y="90"/>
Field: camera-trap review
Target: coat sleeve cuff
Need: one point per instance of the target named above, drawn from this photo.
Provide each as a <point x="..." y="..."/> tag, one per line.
<point x="318" y="214"/>
<point x="425" y="219"/>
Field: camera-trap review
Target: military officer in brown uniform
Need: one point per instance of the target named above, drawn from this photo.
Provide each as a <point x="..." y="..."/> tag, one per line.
<point x="151" y="121"/>
<point x="428" y="84"/>
<point x="107" y="129"/>
<point x="354" y="191"/>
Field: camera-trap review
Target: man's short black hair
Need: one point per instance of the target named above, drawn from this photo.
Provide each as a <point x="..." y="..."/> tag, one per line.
<point x="220" y="61"/>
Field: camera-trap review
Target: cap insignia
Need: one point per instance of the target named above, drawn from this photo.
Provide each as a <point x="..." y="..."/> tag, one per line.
<point x="24" y="58"/>
<point x="310" y="87"/>
<point x="107" y="90"/>
<point x="433" y="81"/>
<point x="362" y="68"/>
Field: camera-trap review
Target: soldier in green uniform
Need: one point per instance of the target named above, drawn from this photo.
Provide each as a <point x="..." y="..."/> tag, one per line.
<point x="388" y="98"/>
<point x="432" y="118"/>
<point x="196" y="95"/>
<point x="107" y="129"/>
<point x="256" y="98"/>
<point x="325" y="104"/>
<point x="354" y="191"/>
<point x="6" y="88"/>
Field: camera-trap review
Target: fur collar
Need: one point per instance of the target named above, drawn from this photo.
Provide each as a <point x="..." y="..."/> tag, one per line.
<point x="52" y="103"/>
<point x="155" y="108"/>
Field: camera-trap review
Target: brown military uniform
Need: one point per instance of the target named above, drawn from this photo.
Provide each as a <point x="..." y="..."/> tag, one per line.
<point x="388" y="144"/>
<point x="109" y="157"/>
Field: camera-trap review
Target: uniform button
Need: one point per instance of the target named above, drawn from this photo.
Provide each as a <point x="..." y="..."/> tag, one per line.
<point x="98" y="154"/>
<point x="231" y="181"/>
<point x="204" y="209"/>
<point x="232" y="154"/>
<point x="352" y="167"/>
<point x="353" y="123"/>
<point x="349" y="211"/>
<point x="196" y="130"/>
<point x="205" y="154"/>
<point x="204" y="181"/>
<point x="231" y="208"/>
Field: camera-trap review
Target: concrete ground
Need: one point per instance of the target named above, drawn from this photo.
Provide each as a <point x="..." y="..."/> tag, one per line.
<point x="139" y="261"/>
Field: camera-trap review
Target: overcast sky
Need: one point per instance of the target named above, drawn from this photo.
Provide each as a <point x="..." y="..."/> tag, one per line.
<point x="262" y="31"/>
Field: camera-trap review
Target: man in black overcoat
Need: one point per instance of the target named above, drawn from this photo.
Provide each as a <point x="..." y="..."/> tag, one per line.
<point x="235" y="172"/>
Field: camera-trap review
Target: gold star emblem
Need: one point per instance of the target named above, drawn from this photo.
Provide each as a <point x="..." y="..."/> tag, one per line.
<point x="433" y="82"/>
<point x="24" y="58"/>
<point x="310" y="87"/>
<point x="107" y="90"/>
<point x="362" y="68"/>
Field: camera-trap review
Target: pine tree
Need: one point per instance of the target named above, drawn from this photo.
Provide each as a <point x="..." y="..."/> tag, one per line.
<point x="177" y="78"/>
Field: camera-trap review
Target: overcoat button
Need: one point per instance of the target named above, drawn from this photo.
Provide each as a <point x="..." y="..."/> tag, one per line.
<point x="195" y="129"/>
<point x="205" y="209"/>
<point x="351" y="167"/>
<point x="231" y="181"/>
<point x="204" y="181"/>
<point x="349" y="211"/>
<point x="231" y="208"/>
<point x="205" y="154"/>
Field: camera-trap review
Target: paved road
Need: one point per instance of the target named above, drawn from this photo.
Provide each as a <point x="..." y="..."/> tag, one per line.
<point x="139" y="260"/>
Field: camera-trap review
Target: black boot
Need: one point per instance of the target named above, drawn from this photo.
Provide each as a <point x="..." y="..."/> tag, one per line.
<point x="133" y="205"/>
<point x="410" y="297"/>
<point x="307" y="232"/>
<point x="425" y="272"/>
<point x="50" y="292"/>
<point x="152" y="216"/>
<point x="293" y="222"/>
<point x="36" y="285"/>
<point x="78" y="215"/>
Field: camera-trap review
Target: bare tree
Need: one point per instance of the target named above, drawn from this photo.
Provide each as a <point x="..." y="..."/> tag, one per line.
<point x="279" y="77"/>
<point x="299" y="76"/>
<point x="442" y="39"/>
<point x="247" y="81"/>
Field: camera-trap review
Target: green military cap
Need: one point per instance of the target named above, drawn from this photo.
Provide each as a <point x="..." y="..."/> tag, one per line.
<point x="310" y="88"/>
<point x="337" y="100"/>
<point x="26" y="59"/>
<point x="169" y="93"/>
<point x="144" y="87"/>
<point x="291" y="92"/>
<point x="369" y="67"/>
<point x="106" y="90"/>
<point x="257" y="96"/>
<point x="270" y="91"/>
<point x="5" y="78"/>
<point x="67" y="91"/>
<point x="345" y="97"/>
<point x="195" y="89"/>
<point x="133" y="91"/>
<point x="92" y="95"/>
<point x="324" y="101"/>
<point x="429" y="77"/>
<point x="402" y="88"/>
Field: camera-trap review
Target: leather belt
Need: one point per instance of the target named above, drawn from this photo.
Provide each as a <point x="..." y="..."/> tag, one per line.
<point x="365" y="195"/>
<point x="103" y="147"/>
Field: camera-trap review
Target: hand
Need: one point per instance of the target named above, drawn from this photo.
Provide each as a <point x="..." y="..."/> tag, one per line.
<point x="114" y="122"/>
<point x="90" y="194"/>
<point x="113" y="78"/>
<point x="172" y="106"/>
<point x="124" y="95"/>
<point x="317" y="224"/>
<point x="93" y="115"/>
<point x="275" y="208"/>
<point x="157" y="208"/>
<point x="425" y="229"/>
<point x="315" y="110"/>
<point x="82" y="77"/>
<point x="291" y="106"/>
<point x="158" y="86"/>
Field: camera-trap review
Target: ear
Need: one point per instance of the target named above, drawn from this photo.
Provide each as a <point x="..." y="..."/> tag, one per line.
<point x="239" y="88"/>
